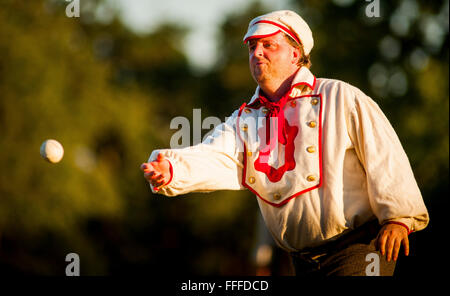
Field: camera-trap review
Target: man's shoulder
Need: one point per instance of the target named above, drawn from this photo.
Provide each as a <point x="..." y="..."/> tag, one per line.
<point x="330" y="84"/>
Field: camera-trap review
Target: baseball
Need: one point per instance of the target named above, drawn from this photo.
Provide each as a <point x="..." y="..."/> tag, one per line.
<point x="52" y="151"/>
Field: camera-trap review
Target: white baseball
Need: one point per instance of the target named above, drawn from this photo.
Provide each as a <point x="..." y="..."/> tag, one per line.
<point x="52" y="151"/>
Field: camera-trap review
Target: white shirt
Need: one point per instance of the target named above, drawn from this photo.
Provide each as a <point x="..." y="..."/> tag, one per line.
<point x="349" y="166"/>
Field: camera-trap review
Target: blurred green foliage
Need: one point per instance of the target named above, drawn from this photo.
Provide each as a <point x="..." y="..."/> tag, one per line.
<point x="108" y="95"/>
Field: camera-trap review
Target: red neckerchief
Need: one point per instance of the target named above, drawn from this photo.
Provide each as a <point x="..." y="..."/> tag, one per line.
<point x="275" y="109"/>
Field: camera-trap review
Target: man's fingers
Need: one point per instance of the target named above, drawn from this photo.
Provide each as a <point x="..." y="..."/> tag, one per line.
<point x="158" y="178"/>
<point x="158" y="183"/>
<point x="396" y="249"/>
<point x="160" y="157"/>
<point x="145" y="167"/>
<point x="382" y="243"/>
<point x="405" y="243"/>
<point x="149" y="175"/>
<point x="152" y="176"/>
<point x="389" y="247"/>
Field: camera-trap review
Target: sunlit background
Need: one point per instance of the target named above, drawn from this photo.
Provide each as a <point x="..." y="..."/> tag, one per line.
<point x="107" y="85"/>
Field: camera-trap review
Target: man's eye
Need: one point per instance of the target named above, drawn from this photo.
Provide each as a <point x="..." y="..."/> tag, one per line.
<point x="268" y="45"/>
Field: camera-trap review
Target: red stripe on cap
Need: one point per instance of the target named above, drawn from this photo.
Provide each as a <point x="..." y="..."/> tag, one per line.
<point x="282" y="27"/>
<point x="260" y="36"/>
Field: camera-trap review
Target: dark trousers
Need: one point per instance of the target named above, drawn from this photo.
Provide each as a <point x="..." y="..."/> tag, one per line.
<point x="352" y="254"/>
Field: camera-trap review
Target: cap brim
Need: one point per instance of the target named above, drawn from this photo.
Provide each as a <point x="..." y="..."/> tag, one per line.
<point x="260" y="30"/>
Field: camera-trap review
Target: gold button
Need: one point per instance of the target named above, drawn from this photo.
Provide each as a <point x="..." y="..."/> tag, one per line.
<point x="245" y="127"/>
<point x="251" y="180"/>
<point x="276" y="196"/>
<point x="249" y="153"/>
<point x="314" y="101"/>
<point x="312" y="124"/>
<point x="293" y="103"/>
<point x="311" y="149"/>
<point x="311" y="178"/>
<point x="265" y="110"/>
<point x="246" y="110"/>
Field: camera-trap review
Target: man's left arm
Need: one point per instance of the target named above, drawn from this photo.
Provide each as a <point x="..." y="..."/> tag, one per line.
<point x="394" y="195"/>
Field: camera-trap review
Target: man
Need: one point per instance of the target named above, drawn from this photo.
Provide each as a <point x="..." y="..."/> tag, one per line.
<point x="333" y="182"/>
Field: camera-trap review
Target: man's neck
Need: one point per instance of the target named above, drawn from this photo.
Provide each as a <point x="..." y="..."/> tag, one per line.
<point x="275" y="91"/>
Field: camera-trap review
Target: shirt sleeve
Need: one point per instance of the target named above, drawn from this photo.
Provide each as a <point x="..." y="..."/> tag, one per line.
<point x="393" y="191"/>
<point x="214" y="164"/>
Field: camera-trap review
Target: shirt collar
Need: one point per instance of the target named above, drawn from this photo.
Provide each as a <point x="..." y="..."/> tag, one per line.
<point x="303" y="81"/>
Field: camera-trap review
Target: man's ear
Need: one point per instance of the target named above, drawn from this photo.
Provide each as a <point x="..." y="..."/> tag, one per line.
<point x="296" y="55"/>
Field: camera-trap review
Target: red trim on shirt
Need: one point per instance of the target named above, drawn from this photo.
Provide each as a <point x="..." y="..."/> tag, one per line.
<point x="305" y="83"/>
<point x="401" y="224"/>
<point x="275" y="174"/>
<point x="237" y="124"/>
<point x="171" y="173"/>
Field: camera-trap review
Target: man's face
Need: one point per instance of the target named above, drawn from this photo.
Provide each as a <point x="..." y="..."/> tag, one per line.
<point x="272" y="58"/>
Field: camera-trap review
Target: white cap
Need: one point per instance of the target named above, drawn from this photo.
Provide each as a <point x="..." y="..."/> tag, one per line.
<point x="285" y="21"/>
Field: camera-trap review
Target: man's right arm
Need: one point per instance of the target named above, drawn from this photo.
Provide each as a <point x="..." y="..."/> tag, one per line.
<point x="215" y="164"/>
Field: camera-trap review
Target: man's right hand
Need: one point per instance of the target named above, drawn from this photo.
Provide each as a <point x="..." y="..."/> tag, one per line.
<point x="157" y="172"/>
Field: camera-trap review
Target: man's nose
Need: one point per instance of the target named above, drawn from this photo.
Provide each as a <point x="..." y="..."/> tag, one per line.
<point x="258" y="52"/>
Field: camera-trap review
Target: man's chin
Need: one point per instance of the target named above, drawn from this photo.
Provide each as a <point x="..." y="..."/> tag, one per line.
<point x="261" y="79"/>
<point x="259" y="76"/>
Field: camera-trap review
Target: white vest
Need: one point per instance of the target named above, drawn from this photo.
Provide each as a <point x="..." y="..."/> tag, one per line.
<point x="303" y="116"/>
